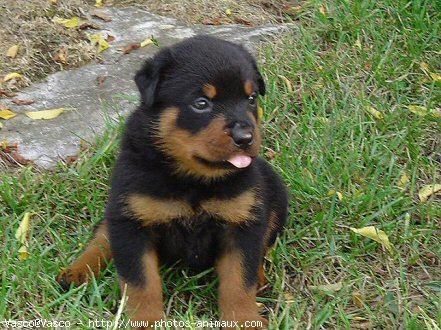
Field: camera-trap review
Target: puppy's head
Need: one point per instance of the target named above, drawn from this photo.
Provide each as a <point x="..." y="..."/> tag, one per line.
<point x="204" y="92"/>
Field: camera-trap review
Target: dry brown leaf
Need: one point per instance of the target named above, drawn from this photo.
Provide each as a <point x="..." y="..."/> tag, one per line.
<point x="110" y="38"/>
<point x="7" y="147"/>
<point x="22" y="102"/>
<point x="213" y="21"/>
<point x="71" y="159"/>
<point x="292" y="10"/>
<point x="60" y="56"/>
<point x="89" y="25"/>
<point x="101" y="15"/>
<point x="12" y="51"/>
<point x="7" y="93"/>
<point x="128" y="49"/>
<point x="243" y="21"/>
<point x="100" y="79"/>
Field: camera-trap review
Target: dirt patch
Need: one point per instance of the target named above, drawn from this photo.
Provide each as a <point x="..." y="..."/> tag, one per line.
<point x="247" y="12"/>
<point x="29" y="24"/>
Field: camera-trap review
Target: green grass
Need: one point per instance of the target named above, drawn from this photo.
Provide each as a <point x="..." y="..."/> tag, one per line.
<point x="321" y="138"/>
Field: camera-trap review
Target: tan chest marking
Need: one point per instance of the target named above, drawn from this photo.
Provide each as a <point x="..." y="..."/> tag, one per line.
<point x="153" y="211"/>
<point x="236" y="210"/>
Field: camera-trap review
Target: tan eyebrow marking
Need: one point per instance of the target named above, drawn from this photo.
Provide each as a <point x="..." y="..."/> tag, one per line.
<point x="210" y="91"/>
<point x="248" y="87"/>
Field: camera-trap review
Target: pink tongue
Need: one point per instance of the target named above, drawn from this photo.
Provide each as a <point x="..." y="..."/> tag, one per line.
<point x="240" y="161"/>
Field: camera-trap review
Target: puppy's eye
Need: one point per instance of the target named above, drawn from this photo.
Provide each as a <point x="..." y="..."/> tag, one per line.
<point x="201" y="104"/>
<point x="252" y="99"/>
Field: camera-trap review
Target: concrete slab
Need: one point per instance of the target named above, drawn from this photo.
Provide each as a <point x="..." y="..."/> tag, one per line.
<point x="46" y="141"/>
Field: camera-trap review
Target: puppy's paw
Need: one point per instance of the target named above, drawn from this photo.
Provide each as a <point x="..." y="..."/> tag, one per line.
<point x="76" y="275"/>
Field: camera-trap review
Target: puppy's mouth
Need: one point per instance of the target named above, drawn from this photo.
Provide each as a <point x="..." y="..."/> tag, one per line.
<point x="238" y="161"/>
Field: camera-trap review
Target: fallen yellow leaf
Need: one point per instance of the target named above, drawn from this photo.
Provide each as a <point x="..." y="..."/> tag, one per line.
<point x="289" y="297"/>
<point x="99" y="3"/>
<point x="358" y="299"/>
<point x="259" y="112"/>
<point x="146" y="42"/>
<point x="13" y="75"/>
<point x="1" y="125"/>
<point x="418" y="110"/>
<point x="334" y="287"/>
<point x="374" y="112"/>
<point x="435" y="76"/>
<point x="375" y="234"/>
<point x="428" y="191"/>
<point x="98" y="39"/>
<point x="228" y="12"/>
<point x="403" y="181"/>
<point x="7" y="114"/>
<point x="12" y="51"/>
<point x="332" y="192"/>
<point x="23" y="228"/>
<point x="71" y="23"/>
<point x="287" y="83"/>
<point x="23" y="253"/>
<point x="424" y="66"/>
<point x="45" y="114"/>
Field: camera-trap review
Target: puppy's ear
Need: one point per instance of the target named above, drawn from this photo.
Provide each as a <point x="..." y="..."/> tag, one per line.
<point x="148" y="77"/>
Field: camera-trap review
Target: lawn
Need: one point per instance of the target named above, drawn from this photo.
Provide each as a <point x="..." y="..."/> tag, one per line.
<point x="342" y="128"/>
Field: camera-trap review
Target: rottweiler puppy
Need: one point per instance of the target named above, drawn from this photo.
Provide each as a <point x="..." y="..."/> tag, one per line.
<point x="189" y="186"/>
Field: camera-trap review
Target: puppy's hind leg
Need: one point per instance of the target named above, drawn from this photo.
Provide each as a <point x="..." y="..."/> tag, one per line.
<point x="94" y="259"/>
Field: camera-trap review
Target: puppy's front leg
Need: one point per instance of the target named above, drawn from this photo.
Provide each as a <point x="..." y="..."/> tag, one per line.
<point x="137" y="263"/>
<point x="144" y="304"/>
<point x="238" y="274"/>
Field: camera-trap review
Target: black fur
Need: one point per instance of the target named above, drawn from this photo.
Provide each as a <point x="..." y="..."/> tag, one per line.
<point x="173" y="78"/>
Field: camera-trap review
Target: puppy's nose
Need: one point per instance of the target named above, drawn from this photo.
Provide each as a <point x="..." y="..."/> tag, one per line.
<point x="242" y="135"/>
